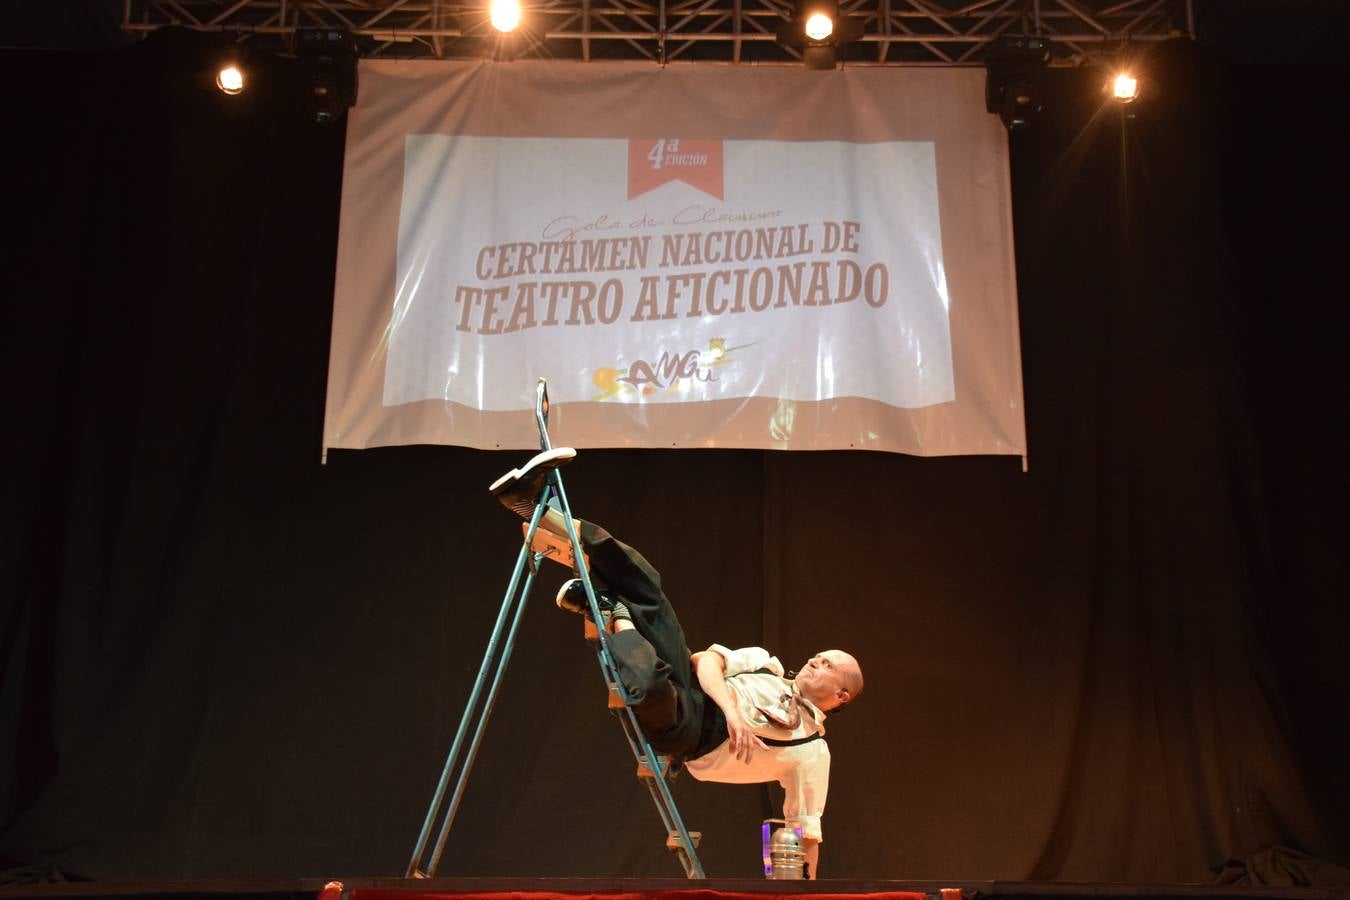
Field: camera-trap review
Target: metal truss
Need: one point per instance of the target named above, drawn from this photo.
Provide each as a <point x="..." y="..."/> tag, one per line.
<point x="895" y="32"/>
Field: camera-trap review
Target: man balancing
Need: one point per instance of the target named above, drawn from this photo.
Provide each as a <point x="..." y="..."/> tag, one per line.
<point x="762" y="725"/>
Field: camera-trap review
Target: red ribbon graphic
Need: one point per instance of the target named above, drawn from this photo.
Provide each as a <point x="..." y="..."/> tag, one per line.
<point x="654" y="161"/>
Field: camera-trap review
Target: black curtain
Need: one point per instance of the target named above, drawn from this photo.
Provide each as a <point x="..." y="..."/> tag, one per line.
<point x="224" y="659"/>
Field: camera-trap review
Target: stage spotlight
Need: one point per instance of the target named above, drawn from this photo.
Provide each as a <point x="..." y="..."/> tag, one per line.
<point x="1124" y="87"/>
<point x="227" y="66"/>
<point x="1010" y="82"/>
<point x="1129" y="90"/>
<point x="504" y="14"/>
<point x="230" y="79"/>
<point x="818" y="30"/>
<point x="819" y="27"/>
<point x="1019" y="105"/>
<point x="327" y="58"/>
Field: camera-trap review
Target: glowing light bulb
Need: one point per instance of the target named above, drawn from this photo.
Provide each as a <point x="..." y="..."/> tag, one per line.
<point x="504" y="14"/>
<point x="819" y="26"/>
<point x="230" y="79"/>
<point x="1124" y="88"/>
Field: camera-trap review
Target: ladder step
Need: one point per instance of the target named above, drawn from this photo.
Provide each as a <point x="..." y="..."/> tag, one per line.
<point x="644" y="770"/>
<point x="673" y="841"/>
<point x="553" y="546"/>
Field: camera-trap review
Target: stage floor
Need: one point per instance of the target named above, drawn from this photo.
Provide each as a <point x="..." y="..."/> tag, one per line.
<point x="651" y="889"/>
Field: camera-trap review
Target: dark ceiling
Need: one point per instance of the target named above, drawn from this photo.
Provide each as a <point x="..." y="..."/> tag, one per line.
<point x="1306" y="32"/>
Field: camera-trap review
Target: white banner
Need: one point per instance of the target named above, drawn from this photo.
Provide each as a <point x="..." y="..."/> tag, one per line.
<point x="681" y="279"/>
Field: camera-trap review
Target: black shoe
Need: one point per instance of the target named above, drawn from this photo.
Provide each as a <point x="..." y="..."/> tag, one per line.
<point x="572" y="598"/>
<point x="519" y="489"/>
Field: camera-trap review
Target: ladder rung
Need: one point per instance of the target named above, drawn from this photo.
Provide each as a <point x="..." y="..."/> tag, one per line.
<point x="644" y="770"/>
<point x="673" y="841"/>
<point x="553" y="546"/>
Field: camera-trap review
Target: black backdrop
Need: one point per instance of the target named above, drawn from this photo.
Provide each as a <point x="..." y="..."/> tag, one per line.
<point x="222" y="659"/>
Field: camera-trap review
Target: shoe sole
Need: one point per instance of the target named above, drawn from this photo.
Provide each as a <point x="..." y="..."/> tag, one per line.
<point x="561" y="600"/>
<point x="553" y="458"/>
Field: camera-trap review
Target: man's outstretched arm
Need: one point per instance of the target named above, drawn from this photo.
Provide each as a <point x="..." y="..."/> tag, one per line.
<point x="711" y="670"/>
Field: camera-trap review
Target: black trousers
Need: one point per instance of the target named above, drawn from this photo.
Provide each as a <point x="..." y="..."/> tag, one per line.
<point x="653" y="658"/>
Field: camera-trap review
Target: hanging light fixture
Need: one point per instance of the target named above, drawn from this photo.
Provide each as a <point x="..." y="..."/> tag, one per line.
<point x="505" y="15"/>
<point x="230" y="78"/>
<point x="818" y="29"/>
<point x="1010" y="87"/>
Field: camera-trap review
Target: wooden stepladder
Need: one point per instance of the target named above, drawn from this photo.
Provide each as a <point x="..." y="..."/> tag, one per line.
<point x="655" y="771"/>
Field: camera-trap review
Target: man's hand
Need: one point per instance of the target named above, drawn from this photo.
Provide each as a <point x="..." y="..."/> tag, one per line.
<point x="744" y="742"/>
<point x="711" y="670"/>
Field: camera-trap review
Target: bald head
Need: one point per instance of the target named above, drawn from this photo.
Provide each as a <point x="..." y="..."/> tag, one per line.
<point x="830" y="679"/>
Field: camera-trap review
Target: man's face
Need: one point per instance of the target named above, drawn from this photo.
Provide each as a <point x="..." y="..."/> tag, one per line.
<point x="824" y="678"/>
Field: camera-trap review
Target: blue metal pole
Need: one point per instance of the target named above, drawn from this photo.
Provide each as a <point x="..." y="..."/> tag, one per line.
<point x="482" y="723"/>
<point x="457" y="744"/>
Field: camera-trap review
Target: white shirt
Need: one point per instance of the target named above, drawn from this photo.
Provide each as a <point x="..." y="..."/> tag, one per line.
<point x="803" y="770"/>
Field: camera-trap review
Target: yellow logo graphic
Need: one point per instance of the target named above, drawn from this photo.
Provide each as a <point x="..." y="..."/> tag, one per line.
<point x="667" y="371"/>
